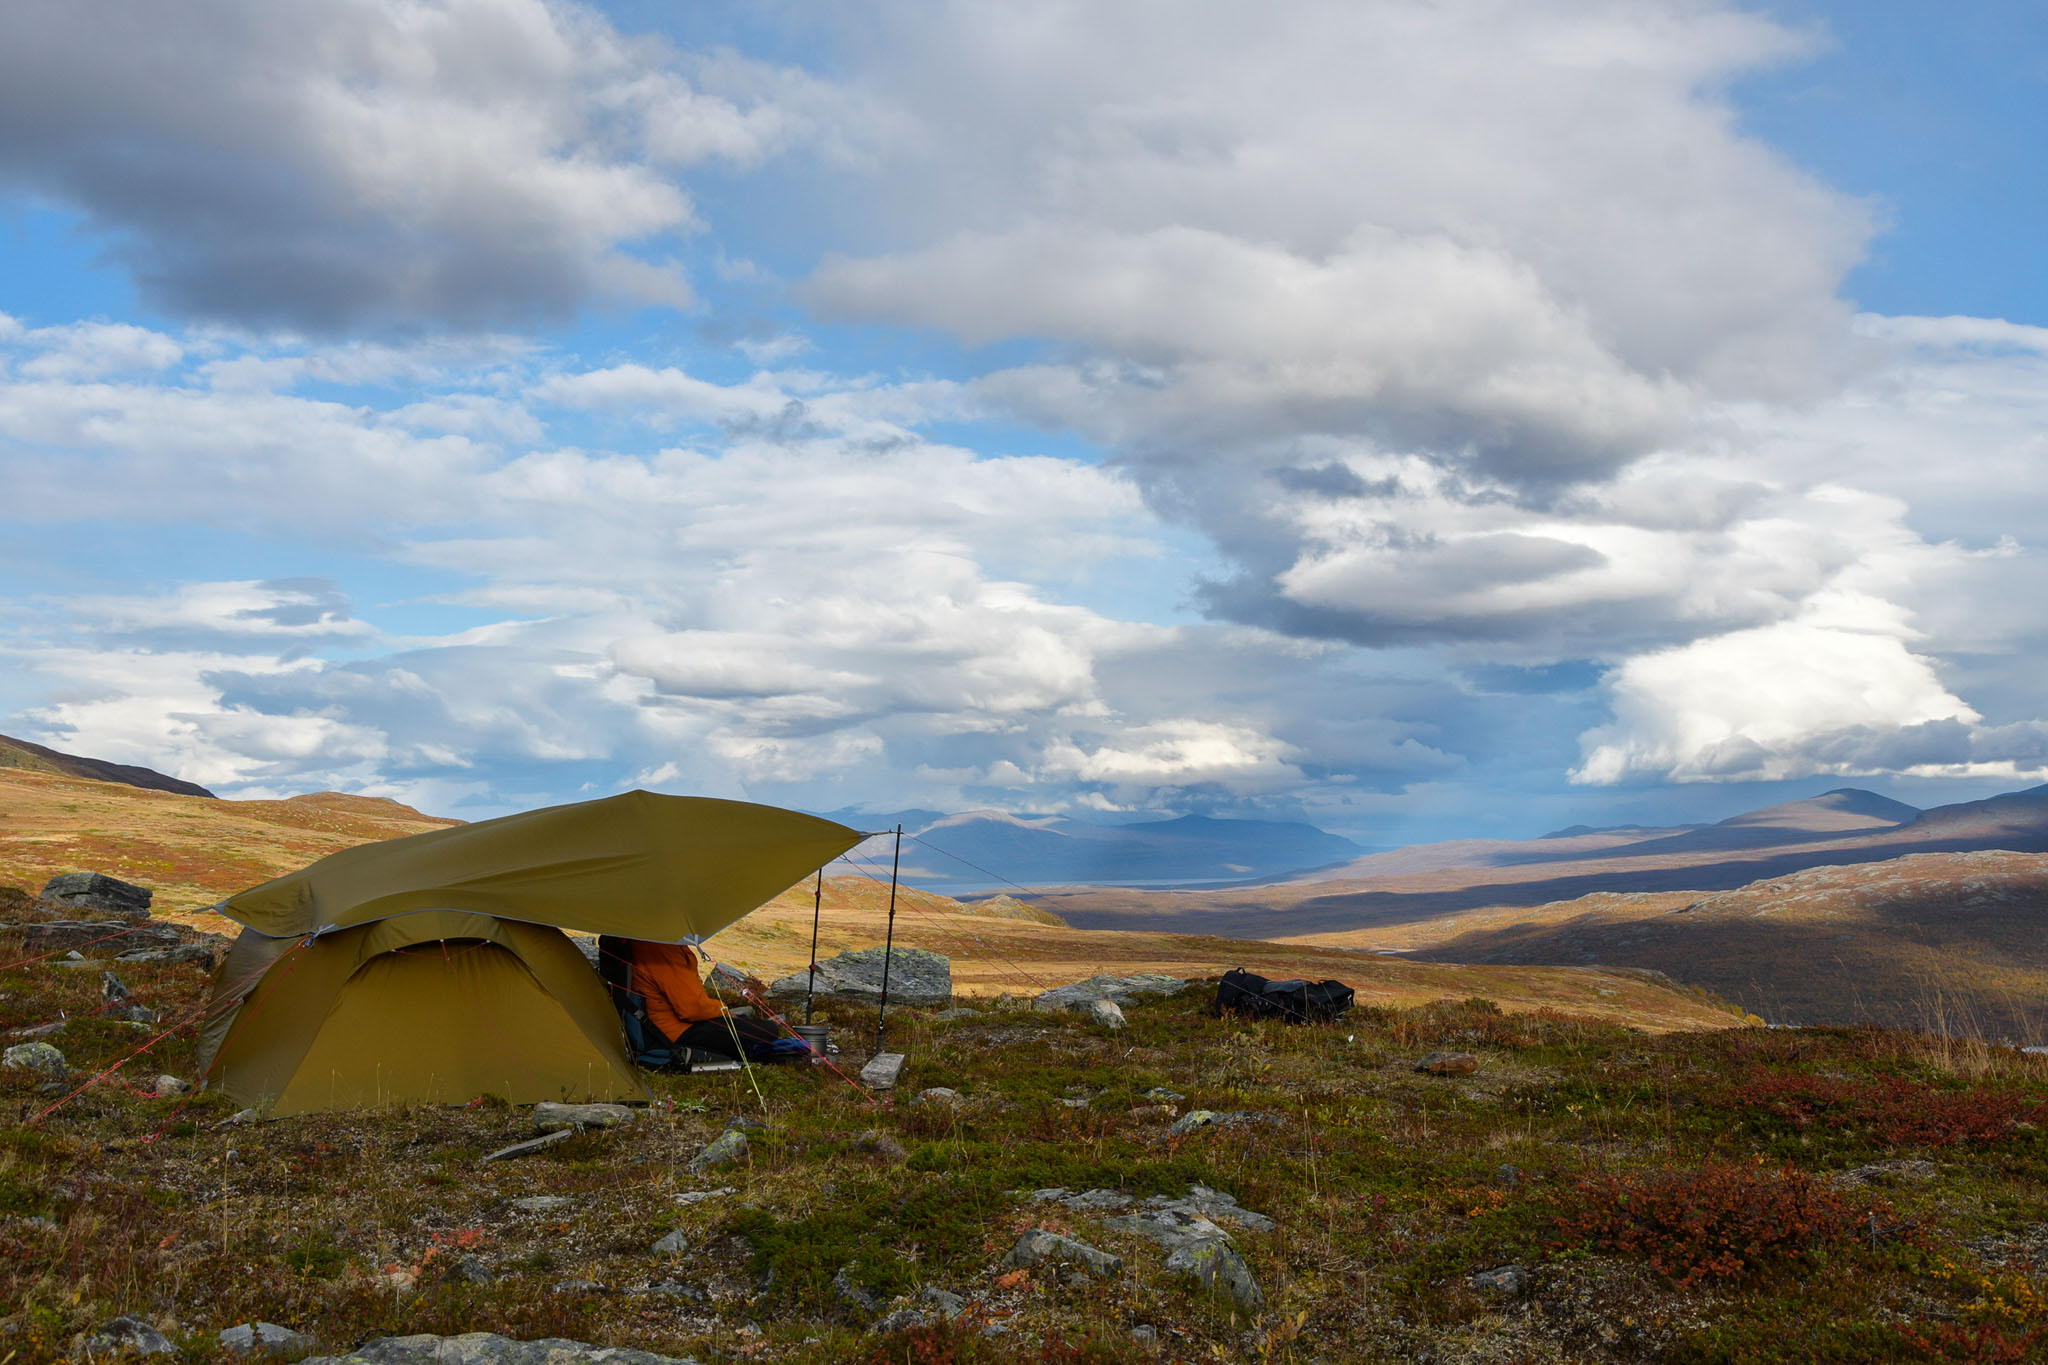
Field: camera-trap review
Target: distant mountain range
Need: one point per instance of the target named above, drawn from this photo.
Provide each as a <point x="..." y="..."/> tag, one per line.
<point x="987" y="850"/>
<point x="1426" y="881"/>
<point x="19" y="753"/>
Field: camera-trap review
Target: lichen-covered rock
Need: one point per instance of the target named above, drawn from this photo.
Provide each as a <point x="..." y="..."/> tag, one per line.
<point x="34" y="1057"/>
<point x="1037" y="1247"/>
<point x="249" y="1337"/>
<point x="95" y="893"/>
<point x="916" y="977"/>
<point x="1123" y="991"/>
<point x="671" y="1244"/>
<point x="726" y="1149"/>
<point x="488" y="1348"/>
<point x="128" y="1335"/>
<point x="1215" y="1265"/>
<point x="550" y="1117"/>
<point x="169" y="1087"/>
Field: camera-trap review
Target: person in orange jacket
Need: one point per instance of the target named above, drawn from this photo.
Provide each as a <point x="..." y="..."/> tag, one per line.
<point x="665" y="975"/>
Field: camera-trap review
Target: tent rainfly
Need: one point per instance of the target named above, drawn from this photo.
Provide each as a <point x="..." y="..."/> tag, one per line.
<point x="434" y="968"/>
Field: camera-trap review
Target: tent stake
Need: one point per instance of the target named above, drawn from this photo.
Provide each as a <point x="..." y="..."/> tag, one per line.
<point x="889" y="944"/>
<point x="817" y="904"/>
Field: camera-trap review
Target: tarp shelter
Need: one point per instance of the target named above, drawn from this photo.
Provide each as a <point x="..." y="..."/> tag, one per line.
<point x="434" y="968"/>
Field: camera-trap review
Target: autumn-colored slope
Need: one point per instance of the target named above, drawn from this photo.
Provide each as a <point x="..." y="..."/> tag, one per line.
<point x="193" y="851"/>
<point x="190" y="850"/>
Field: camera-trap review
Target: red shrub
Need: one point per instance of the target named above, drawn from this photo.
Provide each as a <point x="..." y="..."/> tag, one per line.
<point x="1898" y="1112"/>
<point x="1719" y="1220"/>
<point x="1976" y="1344"/>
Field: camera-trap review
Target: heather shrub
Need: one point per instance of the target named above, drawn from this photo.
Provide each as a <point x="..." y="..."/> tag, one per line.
<point x="1718" y="1220"/>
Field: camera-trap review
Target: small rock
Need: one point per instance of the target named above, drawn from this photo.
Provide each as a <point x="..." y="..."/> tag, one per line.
<point x="112" y="987"/>
<point x="1215" y="1265"/>
<point x="939" y="1094"/>
<point x="745" y="1123"/>
<point x="956" y="1014"/>
<point x="1159" y="1094"/>
<point x="128" y="1334"/>
<point x="470" y="1270"/>
<point x="1193" y="1119"/>
<point x="903" y="1320"/>
<point x="854" y="1292"/>
<point x="250" y="1337"/>
<point x="882" y="1071"/>
<point x="950" y="1305"/>
<point x="1037" y="1247"/>
<point x="96" y="893"/>
<point x="168" y="1087"/>
<point x="672" y="1244"/>
<point x="35" y="1057"/>
<point x="1448" y="1064"/>
<point x="543" y="1203"/>
<point x="559" y="1287"/>
<point x="699" y="1196"/>
<point x="1209" y="1118"/>
<point x="1153" y="1113"/>
<point x="1508" y="1175"/>
<point x="724" y="1150"/>
<point x="550" y="1117"/>
<point x="1107" y="1013"/>
<point x="1143" y="1332"/>
<point x="1507" y="1279"/>
<point x="676" y="1289"/>
<point x="882" y="1146"/>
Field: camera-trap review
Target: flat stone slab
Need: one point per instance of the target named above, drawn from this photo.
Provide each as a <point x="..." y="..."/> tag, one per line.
<point x="689" y="1197"/>
<point x="882" y="1071"/>
<point x="1229" y="1118"/>
<point x="1123" y="991"/>
<point x="102" y="935"/>
<point x="549" y="1117"/>
<point x="1037" y="1247"/>
<point x="543" y="1203"/>
<point x="488" y="1348"/>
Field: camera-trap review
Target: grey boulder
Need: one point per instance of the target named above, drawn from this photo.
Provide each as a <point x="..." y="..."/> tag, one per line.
<point x="1215" y="1265"/>
<point x="96" y="893"/>
<point x="1123" y="991"/>
<point x="129" y="1334"/>
<point x="916" y="977"/>
<point x="35" y="1057"/>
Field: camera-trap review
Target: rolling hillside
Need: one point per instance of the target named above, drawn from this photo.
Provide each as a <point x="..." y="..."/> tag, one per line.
<point x="192" y="851"/>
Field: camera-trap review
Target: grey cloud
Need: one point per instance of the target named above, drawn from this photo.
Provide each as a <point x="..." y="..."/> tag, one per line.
<point x="351" y="165"/>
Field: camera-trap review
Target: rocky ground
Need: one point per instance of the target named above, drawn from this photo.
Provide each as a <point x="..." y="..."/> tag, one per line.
<point x="1448" y="1183"/>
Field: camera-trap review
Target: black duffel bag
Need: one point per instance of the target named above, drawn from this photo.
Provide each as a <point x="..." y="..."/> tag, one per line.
<point x="1297" y="1001"/>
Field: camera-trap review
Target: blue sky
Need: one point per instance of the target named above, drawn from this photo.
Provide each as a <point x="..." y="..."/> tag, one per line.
<point x="1427" y="421"/>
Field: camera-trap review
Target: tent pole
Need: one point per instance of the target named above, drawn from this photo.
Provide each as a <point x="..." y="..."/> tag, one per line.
<point x="817" y="904"/>
<point x="889" y="945"/>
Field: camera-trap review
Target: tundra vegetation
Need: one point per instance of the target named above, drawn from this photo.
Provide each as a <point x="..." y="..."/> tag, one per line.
<point x="1590" y="1192"/>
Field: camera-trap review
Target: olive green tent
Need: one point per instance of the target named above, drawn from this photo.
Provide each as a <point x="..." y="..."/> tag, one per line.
<point x="434" y="968"/>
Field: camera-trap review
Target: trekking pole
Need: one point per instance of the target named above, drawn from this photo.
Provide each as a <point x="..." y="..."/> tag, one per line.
<point x="817" y="904"/>
<point x="889" y="944"/>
